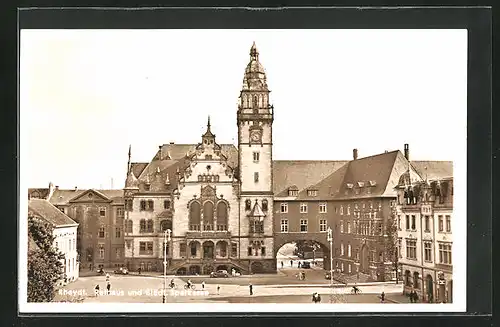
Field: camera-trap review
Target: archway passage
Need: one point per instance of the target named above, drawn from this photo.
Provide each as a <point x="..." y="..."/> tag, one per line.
<point x="289" y="255"/>
<point x="364" y="260"/>
<point x="181" y="271"/>
<point x="430" y="288"/>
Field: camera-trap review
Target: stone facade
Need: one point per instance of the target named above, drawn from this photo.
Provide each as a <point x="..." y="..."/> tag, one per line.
<point x="425" y="218"/>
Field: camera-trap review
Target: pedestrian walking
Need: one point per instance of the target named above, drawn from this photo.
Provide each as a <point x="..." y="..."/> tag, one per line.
<point x="108" y="287"/>
<point x="415" y="297"/>
<point x="251" y="288"/>
<point x="218" y="289"/>
<point x="382" y="297"/>
<point x="299" y="264"/>
<point x="203" y="285"/>
<point x="107" y="277"/>
<point x="90" y="267"/>
<point x="139" y="270"/>
<point x="291" y="263"/>
<point x="281" y="264"/>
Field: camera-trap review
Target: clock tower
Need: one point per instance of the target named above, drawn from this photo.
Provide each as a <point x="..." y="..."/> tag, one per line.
<point x="255" y="119"/>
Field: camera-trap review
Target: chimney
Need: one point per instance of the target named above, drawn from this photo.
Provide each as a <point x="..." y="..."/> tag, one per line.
<point x="172" y="142"/>
<point x="57" y="187"/>
<point x="161" y="152"/>
<point x="407" y="152"/>
<point x="76" y="188"/>
<point x="354" y="154"/>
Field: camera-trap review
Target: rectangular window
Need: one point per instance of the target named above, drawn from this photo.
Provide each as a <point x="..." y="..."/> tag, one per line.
<point x="322" y="208"/>
<point x="101" y="251"/>
<point x="256" y="156"/>
<point x="128" y="243"/>
<point x="263" y="250"/>
<point x="129" y="204"/>
<point x="146" y="248"/>
<point x="303" y="208"/>
<point x="312" y="193"/>
<point x="428" y="251"/>
<point x="349" y="250"/>
<point x="166" y="204"/>
<point x="448" y="224"/>
<point x="427" y="224"/>
<point x="102" y="212"/>
<point x="445" y="253"/>
<point x="341" y="226"/>
<point x="143" y="205"/>
<point x="411" y="249"/>
<point x="147" y="187"/>
<point x="182" y="249"/>
<point x="120" y="212"/>
<point x="322" y="225"/>
<point x="151" y="205"/>
<point x="341" y="248"/>
<point x="348" y="227"/>
<point x="284" y="225"/>
<point x="303" y="225"/>
<point x="249" y="251"/>
<point x="101" y="232"/>
<point x="349" y="268"/>
<point x="341" y="210"/>
<point x="284" y="208"/>
<point x="400" y="253"/>
<point x="256" y="177"/>
<point x="413" y="222"/>
<point x="348" y="210"/>
<point x="407" y="217"/>
<point x="118" y="232"/>
<point x="234" y="249"/>
<point x="118" y="253"/>
<point x="440" y="222"/>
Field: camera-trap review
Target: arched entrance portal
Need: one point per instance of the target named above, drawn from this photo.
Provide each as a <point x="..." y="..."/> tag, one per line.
<point x="289" y="254"/>
<point x="430" y="288"/>
<point x="364" y="260"/>
<point x="208" y="250"/>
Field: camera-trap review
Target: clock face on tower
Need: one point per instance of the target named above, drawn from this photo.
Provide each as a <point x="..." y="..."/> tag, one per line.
<point x="255" y="136"/>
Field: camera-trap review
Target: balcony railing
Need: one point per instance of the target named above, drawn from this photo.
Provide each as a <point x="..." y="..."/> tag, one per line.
<point x="208" y="234"/>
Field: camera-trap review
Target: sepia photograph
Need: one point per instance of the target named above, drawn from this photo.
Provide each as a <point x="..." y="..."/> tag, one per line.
<point x="226" y="170"/>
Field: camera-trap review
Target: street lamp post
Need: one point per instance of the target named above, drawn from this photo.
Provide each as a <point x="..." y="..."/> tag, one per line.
<point x="166" y="238"/>
<point x="330" y="240"/>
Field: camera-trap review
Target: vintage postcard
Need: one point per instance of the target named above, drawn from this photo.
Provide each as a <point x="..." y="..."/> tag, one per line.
<point x="224" y="170"/>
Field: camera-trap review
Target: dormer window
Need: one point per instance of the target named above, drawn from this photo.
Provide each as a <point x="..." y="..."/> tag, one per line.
<point x="293" y="192"/>
<point x="312" y="193"/>
<point x="372" y="183"/>
<point x="147" y="187"/>
<point x="361" y="184"/>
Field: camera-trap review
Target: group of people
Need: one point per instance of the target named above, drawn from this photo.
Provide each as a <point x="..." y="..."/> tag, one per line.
<point x="413" y="296"/>
<point x="299" y="264"/>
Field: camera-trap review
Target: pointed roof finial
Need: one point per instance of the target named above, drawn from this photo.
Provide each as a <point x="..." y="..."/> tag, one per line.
<point x="208" y="133"/>
<point x="167" y="181"/>
<point x="129" y="156"/>
<point x="208" y="123"/>
<point x="254" y="53"/>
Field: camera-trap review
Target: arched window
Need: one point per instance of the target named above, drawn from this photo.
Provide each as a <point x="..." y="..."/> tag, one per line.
<point x="415" y="280"/>
<point x="128" y="226"/>
<point x="221" y="216"/>
<point x="142" y="226"/>
<point x="150" y="226"/>
<point x="255" y="101"/>
<point x="248" y="205"/>
<point x="264" y="205"/>
<point x="166" y="224"/>
<point x="143" y="205"/>
<point x="208" y="215"/>
<point x="194" y="216"/>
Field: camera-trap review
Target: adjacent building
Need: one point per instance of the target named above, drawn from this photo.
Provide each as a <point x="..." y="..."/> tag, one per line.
<point x="100" y="215"/>
<point x="425" y="218"/>
<point x="64" y="232"/>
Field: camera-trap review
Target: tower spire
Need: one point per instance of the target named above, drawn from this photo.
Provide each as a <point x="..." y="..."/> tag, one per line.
<point x="129" y="156"/>
<point x="254" y="53"/>
<point x="208" y="123"/>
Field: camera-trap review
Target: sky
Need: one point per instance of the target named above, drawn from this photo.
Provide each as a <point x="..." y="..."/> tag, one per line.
<point x="86" y="95"/>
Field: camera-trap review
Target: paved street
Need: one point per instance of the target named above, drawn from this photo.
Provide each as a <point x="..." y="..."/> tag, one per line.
<point x="272" y="288"/>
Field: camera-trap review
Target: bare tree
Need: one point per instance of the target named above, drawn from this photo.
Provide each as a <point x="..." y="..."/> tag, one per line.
<point x="391" y="241"/>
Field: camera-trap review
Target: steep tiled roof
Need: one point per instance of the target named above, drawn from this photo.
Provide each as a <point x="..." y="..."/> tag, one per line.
<point x="434" y="169"/>
<point x="328" y="187"/>
<point x="377" y="168"/>
<point x="38" y="193"/>
<point x="61" y="197"/>
<point x="303" y="173"/>
<point x="138" y="167"/>
<point x="64" y="196"/>
<point x="50" y="213"/>
<point x="179" y="151"/>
